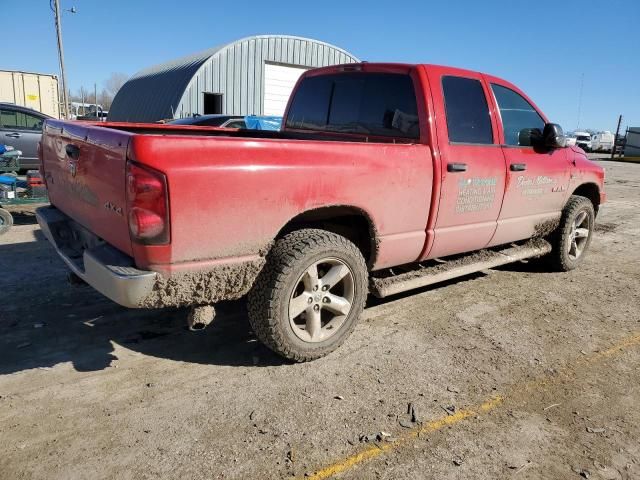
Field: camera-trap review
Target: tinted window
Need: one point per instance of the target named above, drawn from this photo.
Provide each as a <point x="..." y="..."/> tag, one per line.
<point x="20" y="121"/>
<point x="517" y="115"/>
<point x="310" y="106"/>
<point x="468" y="119"/>
<point x="371" y="103"/>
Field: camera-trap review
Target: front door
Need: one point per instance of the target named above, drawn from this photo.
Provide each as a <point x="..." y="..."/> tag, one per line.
<point x="472" y="164"/>
<point x="537" y="179"/>
<point x="22" y="131"/>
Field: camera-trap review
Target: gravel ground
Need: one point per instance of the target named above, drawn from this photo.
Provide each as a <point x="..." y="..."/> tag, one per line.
<point x="511" y="373"/>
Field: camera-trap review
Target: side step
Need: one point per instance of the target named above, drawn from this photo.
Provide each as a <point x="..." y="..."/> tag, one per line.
<point x="460" y="266"/>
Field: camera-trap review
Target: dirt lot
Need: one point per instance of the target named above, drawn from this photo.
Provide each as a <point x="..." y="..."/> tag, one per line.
<point x="513" y="373"/>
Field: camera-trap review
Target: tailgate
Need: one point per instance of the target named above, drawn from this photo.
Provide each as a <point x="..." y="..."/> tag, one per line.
<point x="84" y="167"/>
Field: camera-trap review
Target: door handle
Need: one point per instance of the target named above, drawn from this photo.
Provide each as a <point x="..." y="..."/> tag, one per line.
<point x="518" y="167"/>
<point x="72" y="151"/>
<point x="456" y="167"/>
<point x="14" y="135"/>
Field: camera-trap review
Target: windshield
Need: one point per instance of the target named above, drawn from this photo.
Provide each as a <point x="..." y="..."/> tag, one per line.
<point x="583" y="138"/>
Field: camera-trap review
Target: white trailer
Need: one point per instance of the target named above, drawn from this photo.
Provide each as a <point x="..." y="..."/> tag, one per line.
<point x="33" y="90"/>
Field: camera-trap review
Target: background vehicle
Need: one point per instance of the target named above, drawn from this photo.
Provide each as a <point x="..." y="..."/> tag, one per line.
<point x="583" y="140"/>
<point x="252" y="122"/>
<point x="602" y="141"/>
<point x="87" y="111"/>
<point x="21" y="128"/>
<point x="230" y="121"/>
<point x="377" y="166"/>
<point x="36" y="91"/>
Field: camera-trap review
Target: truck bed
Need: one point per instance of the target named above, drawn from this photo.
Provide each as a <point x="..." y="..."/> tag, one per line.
<point x="232" y="191"/>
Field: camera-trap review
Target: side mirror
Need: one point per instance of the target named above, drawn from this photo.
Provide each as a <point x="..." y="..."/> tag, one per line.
<point x="553" y="136"/>
<point x="529" y="137"/>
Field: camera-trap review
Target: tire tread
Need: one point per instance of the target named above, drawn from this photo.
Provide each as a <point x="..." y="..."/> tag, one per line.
<point x="263" y="299"/>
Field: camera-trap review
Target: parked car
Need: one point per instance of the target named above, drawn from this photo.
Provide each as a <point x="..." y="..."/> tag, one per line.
<point x="583" y="140"/>
<point x="21" y="128"/>
<point x="602" y="141"/>
<point x="251" y="122"/>
<point x="230" y="121"/>
<point x="376" y="166"/>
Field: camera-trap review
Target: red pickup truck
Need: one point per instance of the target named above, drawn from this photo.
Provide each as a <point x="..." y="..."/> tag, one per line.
<point x="384" y="178"/>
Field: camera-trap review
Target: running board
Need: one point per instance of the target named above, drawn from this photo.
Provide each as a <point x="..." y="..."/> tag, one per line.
<point x="474" y="262"/>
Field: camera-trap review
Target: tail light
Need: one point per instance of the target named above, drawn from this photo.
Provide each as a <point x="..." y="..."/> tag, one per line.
<point x="147" y="201"/>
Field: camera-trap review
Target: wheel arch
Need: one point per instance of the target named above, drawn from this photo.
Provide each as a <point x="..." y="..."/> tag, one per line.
<point x="349" y="221"/>
<point x="591" y="191"/>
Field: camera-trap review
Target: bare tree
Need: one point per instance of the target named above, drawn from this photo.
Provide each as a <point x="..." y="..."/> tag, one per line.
<point x="105" y="99"/>
<point x="81" y="95"/>
<point x="114" y="82"/>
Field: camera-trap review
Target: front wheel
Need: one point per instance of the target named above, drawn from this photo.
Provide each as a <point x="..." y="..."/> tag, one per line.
<point x="573" y="236"/>
<point x="309" y="295"/>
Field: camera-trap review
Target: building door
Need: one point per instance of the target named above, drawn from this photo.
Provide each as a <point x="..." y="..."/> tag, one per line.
<point x="279" y="81"/>
<point x="212" y="103"/>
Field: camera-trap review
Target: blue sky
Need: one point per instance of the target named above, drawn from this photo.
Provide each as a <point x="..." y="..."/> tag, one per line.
<point x="544" y="47"/>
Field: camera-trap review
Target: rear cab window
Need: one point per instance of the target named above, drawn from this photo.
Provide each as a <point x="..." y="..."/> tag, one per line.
<point x="372" y="104"/>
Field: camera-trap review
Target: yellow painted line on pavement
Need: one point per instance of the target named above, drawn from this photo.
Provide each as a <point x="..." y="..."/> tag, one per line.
<point x="378" y="449"/>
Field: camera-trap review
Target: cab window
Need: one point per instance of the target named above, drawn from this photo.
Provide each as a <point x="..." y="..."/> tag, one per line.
<point x="519" y="118"/>
<point x="379" y="104"/>
<point x="468" y="119"/>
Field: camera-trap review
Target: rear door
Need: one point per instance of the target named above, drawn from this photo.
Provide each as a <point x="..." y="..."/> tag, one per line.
<point x="472" y="164"/>
<point x="537" y="179"/>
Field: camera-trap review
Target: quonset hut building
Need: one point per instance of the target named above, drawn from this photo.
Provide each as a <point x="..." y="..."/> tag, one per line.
<point x="251" y="76"/>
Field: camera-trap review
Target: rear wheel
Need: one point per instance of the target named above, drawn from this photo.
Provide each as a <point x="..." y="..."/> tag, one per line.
<point x="573" y="236"/>
<point x="6" y="221"/>
<point x="309" y="295"/>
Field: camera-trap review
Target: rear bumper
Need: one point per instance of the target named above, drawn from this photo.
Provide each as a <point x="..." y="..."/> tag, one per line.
<point x="105" y="268"/>
<point x="115" y="275"/>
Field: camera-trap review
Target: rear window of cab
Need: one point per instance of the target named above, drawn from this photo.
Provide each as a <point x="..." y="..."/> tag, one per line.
<point x="377" y="104"/>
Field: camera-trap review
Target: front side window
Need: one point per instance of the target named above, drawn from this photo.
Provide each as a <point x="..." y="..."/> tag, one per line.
<point x="378" y="104"/>
<point x="12" y="119"/>
<point x="519" y="118"/>
<point x="468" y="119"/>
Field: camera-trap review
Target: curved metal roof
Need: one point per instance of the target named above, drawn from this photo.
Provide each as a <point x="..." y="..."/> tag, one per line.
<point x="173" y="88"/>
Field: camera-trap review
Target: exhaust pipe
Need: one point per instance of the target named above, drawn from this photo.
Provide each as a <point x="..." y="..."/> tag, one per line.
<point x="200" y="317"/>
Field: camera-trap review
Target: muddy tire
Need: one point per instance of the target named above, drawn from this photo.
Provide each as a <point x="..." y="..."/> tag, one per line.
<point x="571" y="240"/>
<point x="6" y="221"/>
<point x="309" y="295"/>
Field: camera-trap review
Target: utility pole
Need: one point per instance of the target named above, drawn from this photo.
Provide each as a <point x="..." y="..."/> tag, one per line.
<point x="580" y="101"/>
<point x="95" y="98"/>
<point x="58" y="19"/>
<point x="615" y="139"/>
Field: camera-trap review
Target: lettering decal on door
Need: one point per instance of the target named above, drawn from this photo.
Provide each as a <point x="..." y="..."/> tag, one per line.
<point x="476" y="194"/>
<point x="535" y="186"/>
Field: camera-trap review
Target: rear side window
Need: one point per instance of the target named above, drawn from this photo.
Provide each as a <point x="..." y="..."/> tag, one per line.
<point x="468" y="119"/>
<point x="13" y="119"/>
<point x="378" y="104"/>
<point x="518" y="116"/>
